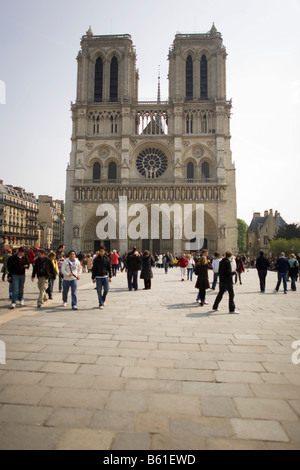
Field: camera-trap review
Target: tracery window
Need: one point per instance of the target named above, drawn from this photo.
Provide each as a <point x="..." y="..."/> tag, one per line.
<point x="98" y="80"/>
<point x="151" y="163"/>
<point x="113" y="96"/>
<point x="189" y="78"/>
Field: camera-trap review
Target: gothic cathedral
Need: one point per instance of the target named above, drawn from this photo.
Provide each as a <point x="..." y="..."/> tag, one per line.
<point x="134" y="162"/>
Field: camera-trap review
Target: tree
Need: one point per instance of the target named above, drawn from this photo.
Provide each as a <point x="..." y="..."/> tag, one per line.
<point x="242" y="236"/>
<point x="287" y="246"/>
<point x="289" y="231"/>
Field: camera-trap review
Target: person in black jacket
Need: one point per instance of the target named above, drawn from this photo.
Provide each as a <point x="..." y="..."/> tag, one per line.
<point x="16" y="274"/>
<point x="43" y="270"/>
<point x="262" y="265"/>
<point x="102" y="275"/>
<point x="147" y="273"/>
<point x="226" y="283"/>
<point x="133" y="266"/>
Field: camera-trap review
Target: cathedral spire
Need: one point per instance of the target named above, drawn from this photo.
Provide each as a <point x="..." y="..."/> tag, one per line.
<point x="158" y="86"/>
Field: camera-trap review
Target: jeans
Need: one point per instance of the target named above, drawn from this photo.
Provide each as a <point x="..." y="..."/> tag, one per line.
<point x="189" y="273"/>
<point x="293" y="282"/>
<point x="223" y="289"/>
<point x="282" y="277"/>
<point x="115" y="268"/>
<point x="66" y="287"/>
<point x="102" y="284"/>
<point x="50" y="287"/>
<point x="262" y="279"/>
<point x="60" y="281"/>
<point x="215" y="279"/>
<point x="132" y="277"/>
<point x="18" y="281"/>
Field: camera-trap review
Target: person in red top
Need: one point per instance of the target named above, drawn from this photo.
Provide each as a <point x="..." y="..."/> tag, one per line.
<point x="31" y="256"/>
<point x="182" y="263"/>
<point x="114" y="259"/>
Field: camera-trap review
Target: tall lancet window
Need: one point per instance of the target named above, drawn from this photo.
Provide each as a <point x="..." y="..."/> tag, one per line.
<point x="189" y="78"/>
<point x="96" y="171"/>
<point x="98" y="80"/>
<point x="203" y="78"/>
<point x="113" y="95"/>
<point x="190" y="170"/>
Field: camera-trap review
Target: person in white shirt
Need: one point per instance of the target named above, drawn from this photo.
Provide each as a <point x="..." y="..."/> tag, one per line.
<point x="215" y="265"/>
<point x="71" y="270"/>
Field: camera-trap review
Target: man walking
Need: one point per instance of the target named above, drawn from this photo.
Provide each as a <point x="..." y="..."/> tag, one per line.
<point x="262" y="265"/>
<point x="71" y="270"/>
<point x="133" y="266"/>
<point x="16" y="273"/>
<point x="102" y="275"/>
<point x="226" y="283"/>
<point x="41" y="269"/>
<point x="282" y="268"/>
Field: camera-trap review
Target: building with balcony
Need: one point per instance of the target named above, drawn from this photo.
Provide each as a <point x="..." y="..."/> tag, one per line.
<point x="18" y="217"/>
<point x="134" y="162"/>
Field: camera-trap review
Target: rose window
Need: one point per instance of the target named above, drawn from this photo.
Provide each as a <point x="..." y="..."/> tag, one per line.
<point x="151" y="163"/>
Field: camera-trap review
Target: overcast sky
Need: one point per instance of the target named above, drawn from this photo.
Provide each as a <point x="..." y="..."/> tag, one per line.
<point x="39" y="42"/>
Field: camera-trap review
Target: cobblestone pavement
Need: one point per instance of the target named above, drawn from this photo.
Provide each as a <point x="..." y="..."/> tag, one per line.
<point x="153" y="370"/>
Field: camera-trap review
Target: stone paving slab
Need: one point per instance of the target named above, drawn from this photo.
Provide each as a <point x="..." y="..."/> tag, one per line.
<point x="153" y="370"/>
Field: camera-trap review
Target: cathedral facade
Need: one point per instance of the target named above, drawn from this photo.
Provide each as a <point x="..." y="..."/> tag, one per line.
<point x="155" y="174"/>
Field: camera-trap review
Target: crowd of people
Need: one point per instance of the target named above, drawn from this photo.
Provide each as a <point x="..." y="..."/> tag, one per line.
<point x="47" y="266"/>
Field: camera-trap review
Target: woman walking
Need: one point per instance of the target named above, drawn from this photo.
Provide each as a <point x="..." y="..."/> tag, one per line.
<point x="147" y="273"/>
<point x="202" y="283"/>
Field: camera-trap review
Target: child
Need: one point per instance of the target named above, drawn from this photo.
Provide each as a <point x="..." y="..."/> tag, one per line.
<point x="53" y="273"/>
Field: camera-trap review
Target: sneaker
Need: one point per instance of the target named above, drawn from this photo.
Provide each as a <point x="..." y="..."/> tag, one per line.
<point x="101" y="307"/>
<point x="74" y="307"/>
<point x="215" y="309"/>
<point x="235" y="312"/>
<point x="22" y="303"/>
<point x="205" y="303"/>
<point x="285" y="291"/>
<point x="13" y="305"/>
<point x="64" y="304"/>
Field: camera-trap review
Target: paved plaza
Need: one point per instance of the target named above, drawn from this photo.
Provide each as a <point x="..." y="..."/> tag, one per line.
<point x="153" y="370"/>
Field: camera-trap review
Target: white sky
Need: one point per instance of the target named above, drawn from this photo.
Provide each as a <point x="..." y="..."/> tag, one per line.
<point x="39" y="42"/>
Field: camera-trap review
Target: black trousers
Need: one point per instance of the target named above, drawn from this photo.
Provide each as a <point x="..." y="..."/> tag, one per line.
<point x="262" y="273"/>
<point x="223" y="289"/>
